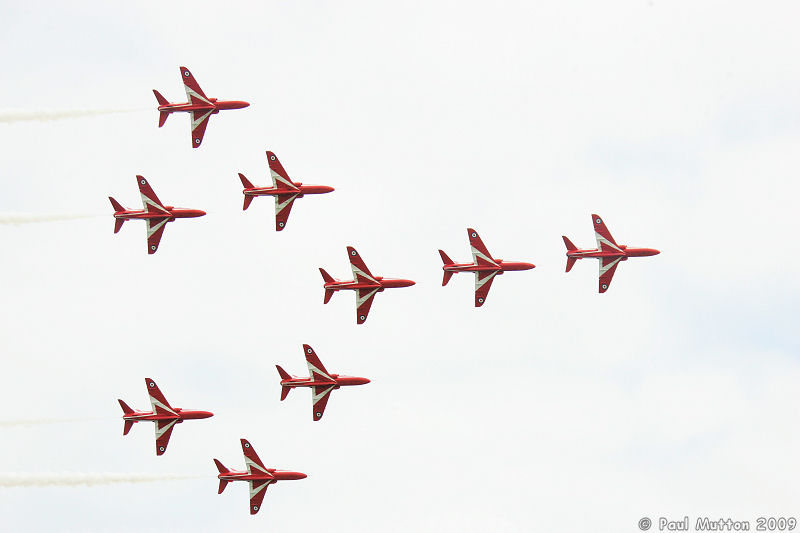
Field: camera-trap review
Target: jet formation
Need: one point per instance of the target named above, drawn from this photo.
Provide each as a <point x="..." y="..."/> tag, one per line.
<point x="163" y="414"/>
<point x="608" y="252"/>
<point x="200" y="106"/>
<point x="320" y="380"/>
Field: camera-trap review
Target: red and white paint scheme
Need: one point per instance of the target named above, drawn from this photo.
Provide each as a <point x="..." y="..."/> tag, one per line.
<point x="364" y="283"/>
<point x="322" y="382"/>
<point x="155" y="214"/>
<point x="199" y="105"/>
<point x="283" y="189"/>
<point x="163" y="414"/>
<point x="258" y="476"/>
<point x="483" y="265"/>
<point x="608" y="252"/>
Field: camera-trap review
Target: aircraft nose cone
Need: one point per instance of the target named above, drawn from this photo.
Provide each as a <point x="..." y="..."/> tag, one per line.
<point x="200" y="213"/>
<point x="409" y="283"/>
<point x="326" y="188"/>
<point x="206" y="414"/>
<point x="302" y="476"/>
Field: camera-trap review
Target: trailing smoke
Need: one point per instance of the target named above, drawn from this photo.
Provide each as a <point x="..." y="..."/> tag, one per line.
<point x="39" y="421"/>
<point x="15" y="219"/>
<point x="55" y="114"/>
<point x="89" y="480"/>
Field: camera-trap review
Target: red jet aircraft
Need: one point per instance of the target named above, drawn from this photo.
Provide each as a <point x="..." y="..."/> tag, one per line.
<point x="164" y="415"/>
<point x="258" y="476"/>
<point x="608" y="252"/>
<point x="323" y="382"/>
<point x="283" y="189"/>
<point x="154" y="213"/>
<point x="364" y="283"/>
<point x="483" y="265"/>
<point x="199" y="105"/>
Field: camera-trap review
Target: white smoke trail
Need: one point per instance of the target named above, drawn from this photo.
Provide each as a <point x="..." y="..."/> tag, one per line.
<point x="89" y="480"/>
<point x="14" y="219"/>
<point x="39" y="421"/>
<point x="9" y="116"/>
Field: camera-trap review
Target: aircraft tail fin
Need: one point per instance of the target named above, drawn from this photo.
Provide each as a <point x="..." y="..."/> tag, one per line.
<point x="446" y="278"/>
<point x="570" y="247"/>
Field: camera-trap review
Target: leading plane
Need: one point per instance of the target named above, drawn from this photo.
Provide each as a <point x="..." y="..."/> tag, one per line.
<point x="608" y="252"/>
<point x="483" y="265"/>
<point x="199" y="105"/>
<point x="257" y="476"/>
<point x="322" y="381"/>
<point x="163" y="414"/>
<point x="155" y="214"/>
<point x="364" y="283"/>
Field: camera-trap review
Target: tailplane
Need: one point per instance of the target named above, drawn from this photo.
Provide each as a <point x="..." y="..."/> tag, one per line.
<point x="284" y="374"/>
<point x="222" y="470"/>
<point x="446" y="260"/>
<point x="162" y="115"/>
<point x="447" y="275"/>
<point x="328" y="279"/>
<point x="125" y="409"/>
<point x="570" y="248"/>
<point x="285" y="392"/>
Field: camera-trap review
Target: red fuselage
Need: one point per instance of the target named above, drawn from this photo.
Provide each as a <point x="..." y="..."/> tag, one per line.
<point x="382" y="283"/>
<point x="502" y="266"/>
<point x="175" y="212"/>
<point x="182" y="414"/>
<point x="338" y="381"/>
<point x="624" y="254"/>
<point x="215" y="107"/>
<point x="302" y="190"/>
<point x="274" y="474"/>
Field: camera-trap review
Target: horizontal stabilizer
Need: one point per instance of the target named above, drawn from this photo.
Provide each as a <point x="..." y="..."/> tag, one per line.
<point x="125" y="409"/>
<point x="446" y="260"/>
<point x="328" y="296"/>
<point x="222" y="484"/>
<point x="570" y="247"/>
<point x="285" y="392"/>
<point x="283" y="373"/>
<point x="571" y="263"/>
<point x="221" y="467"/>
<point x="327" y="277"/>
<point x="245" y="182"/>
<point x="116" y="205"/>
<point x="161" y="99"/>
<point x="247" y="200"/>
<point x="162" y="117"/>
<point x="118" y="222"/>
<point x="446" y="278"/>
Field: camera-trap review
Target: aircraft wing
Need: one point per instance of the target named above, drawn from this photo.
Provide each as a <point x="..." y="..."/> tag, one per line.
<point x="320" y="399"/>
<point x="150" y="201"/>
<point x="155" y="229"/>
<point x="605" y="242"/>
<point x="199" y="123"/>
<point x="480" y="254"/>
<point x="364" y="299"/>
<point x="254" y="464"/>
<point x="163" y="433"/>
<point x="258" y="488"/>
<point x="315" y="368"/>
<point x="608" y="265"/>
<point x="283" y="206"/>
<point x="158" y="402"/>
<point x="280" y="179"/>
<point x="194" y="93"/>
<point x="483" y="282"/>
<point x="360" y="271"/>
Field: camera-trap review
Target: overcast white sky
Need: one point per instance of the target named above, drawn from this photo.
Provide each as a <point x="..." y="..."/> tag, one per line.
<point x="552" y="408"/>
